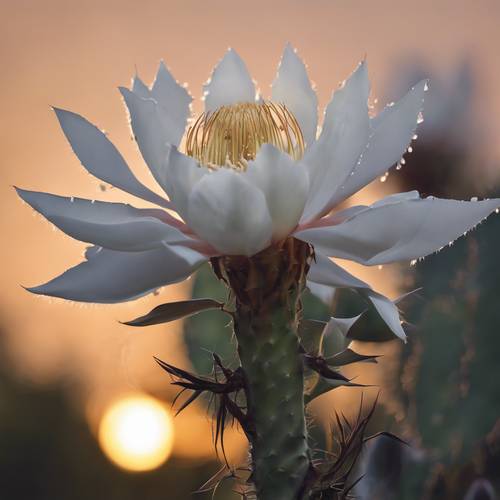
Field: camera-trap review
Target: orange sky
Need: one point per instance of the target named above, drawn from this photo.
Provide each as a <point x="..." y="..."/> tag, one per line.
<point x="74" y="54"/>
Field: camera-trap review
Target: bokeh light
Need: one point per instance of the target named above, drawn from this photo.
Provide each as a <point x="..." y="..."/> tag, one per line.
<point x="136" y="433"/>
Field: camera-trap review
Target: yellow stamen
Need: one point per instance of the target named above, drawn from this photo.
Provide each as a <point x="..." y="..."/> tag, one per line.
<point x="232" y="135"/>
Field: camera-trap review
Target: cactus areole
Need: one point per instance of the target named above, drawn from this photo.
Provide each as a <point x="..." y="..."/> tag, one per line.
<point x="252" y="187"/>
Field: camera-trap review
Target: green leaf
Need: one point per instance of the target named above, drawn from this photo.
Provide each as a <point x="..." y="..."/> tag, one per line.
<point x="174" y="310"/>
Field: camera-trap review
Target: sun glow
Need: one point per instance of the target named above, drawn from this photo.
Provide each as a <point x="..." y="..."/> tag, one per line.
<point x="136" y="433"/>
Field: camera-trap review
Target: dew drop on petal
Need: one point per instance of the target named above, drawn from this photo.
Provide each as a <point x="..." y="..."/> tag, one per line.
<point x="426" y="86"/>
<point x="410" y="149"/>
<point x="413" y="262"/>
<point x="403" y="161"/>
<point x="474" y="198"/>
<point x="72" y="199"/>
<point x="420" y="117"/>
<point x="399" y="166"/>
<point x="497" y="210"/>
<point x="415" y="137"/>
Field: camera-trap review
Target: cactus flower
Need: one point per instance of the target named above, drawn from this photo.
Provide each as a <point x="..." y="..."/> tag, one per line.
<point x="253" y="173"/>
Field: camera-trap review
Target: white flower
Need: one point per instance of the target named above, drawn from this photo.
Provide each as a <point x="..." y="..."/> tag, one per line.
<point x="255" y="173"/>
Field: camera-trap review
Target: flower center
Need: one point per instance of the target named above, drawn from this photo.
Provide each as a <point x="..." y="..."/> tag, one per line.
<point x="232" y="135"/>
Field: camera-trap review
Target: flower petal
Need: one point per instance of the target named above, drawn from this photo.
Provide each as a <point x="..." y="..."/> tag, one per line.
<point x="230" y="213"/>
<point x="182" y="173"/>
<point x="99" y="157"/>
<point x="395" y="231"/>
<point x="293" y="88"/>
<point x="152" y="132"/>
<point x="345" y="133"/>
<point x="174" y="102"/>
<point x="326" y="272"/>
<point x="230" y="83"/>
<point x="109" y="277"/>
<point x="391" y="133"/>
<point x="110" y="225"/>
<point x="285" y="184"/>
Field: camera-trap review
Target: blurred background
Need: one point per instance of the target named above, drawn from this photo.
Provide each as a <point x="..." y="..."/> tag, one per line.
<point x="82" y="403"/>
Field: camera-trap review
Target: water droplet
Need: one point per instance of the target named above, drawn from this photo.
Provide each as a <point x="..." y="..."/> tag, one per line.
<point x="399" y="166"/>
<point x="391" y="104"/>
<point x="415" y="137"/>
<point x="383" y="178"/>
<point x="380" y="266"/>
<point x="497" y="210"/>
<point x="413" y="262"/>
<point x="72" y="199"/>
<point x="474" y="198"/>
<point x="92" y="201"/>
<point x="403" y="161"/>
<point x="426" y="86"/>
<point x="420" y="117"/>
<point x="410" y="150"/>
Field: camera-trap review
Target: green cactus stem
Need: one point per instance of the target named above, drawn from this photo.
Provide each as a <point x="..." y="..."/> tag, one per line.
<point x="267" y="308"/>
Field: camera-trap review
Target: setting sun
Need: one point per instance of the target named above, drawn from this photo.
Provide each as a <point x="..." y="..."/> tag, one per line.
<point x="136" y="433"/>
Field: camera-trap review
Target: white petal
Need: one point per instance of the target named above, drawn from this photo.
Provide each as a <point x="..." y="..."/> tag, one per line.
<point x="230" y="83"/>
<point x="110" y="225"/>
<point x="387" y="310"/>
<point x="109" y="276"/>
<point x="230" y="213"/>
<point x="140" y="88"/>
<point x="178" y="175"/>
<point x="285" y="184"/>
<point x="174" y="102"/>
<point x="342" y="325"/>
<point x="98" y="155"/>
<point x="293" y="89"/>
<point x="398" y="231"/>
<point x="345" y="134"/>
<point x="391" y="133"/>
<point x="151" y="129"/>
<point x="326" y="272"/>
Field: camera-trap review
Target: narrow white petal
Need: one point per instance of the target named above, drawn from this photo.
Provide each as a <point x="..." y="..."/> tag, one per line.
<point x="174" y="101"/>
<point x="109" y="276"/>
<point x="342" y="325"/>
<point x="344" y="136"/>
<point x="110" y="225"/>
<point x="152" y="131"/>
<point x="178" y="175"/>
<point x="328" y="273"/>
<point x="140" y="88"/>
<point x="230" y="83"/>
<point x="230" y="213"/>
<point x="398" y="231"/>
<point x="99" y="157"/>
<point x="285" y="184"/>
<point x="391" y="133"/>
<point x="293" y="88"/>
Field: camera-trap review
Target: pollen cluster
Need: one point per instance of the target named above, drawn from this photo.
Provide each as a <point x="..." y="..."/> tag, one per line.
<point x="232" y="135"/>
